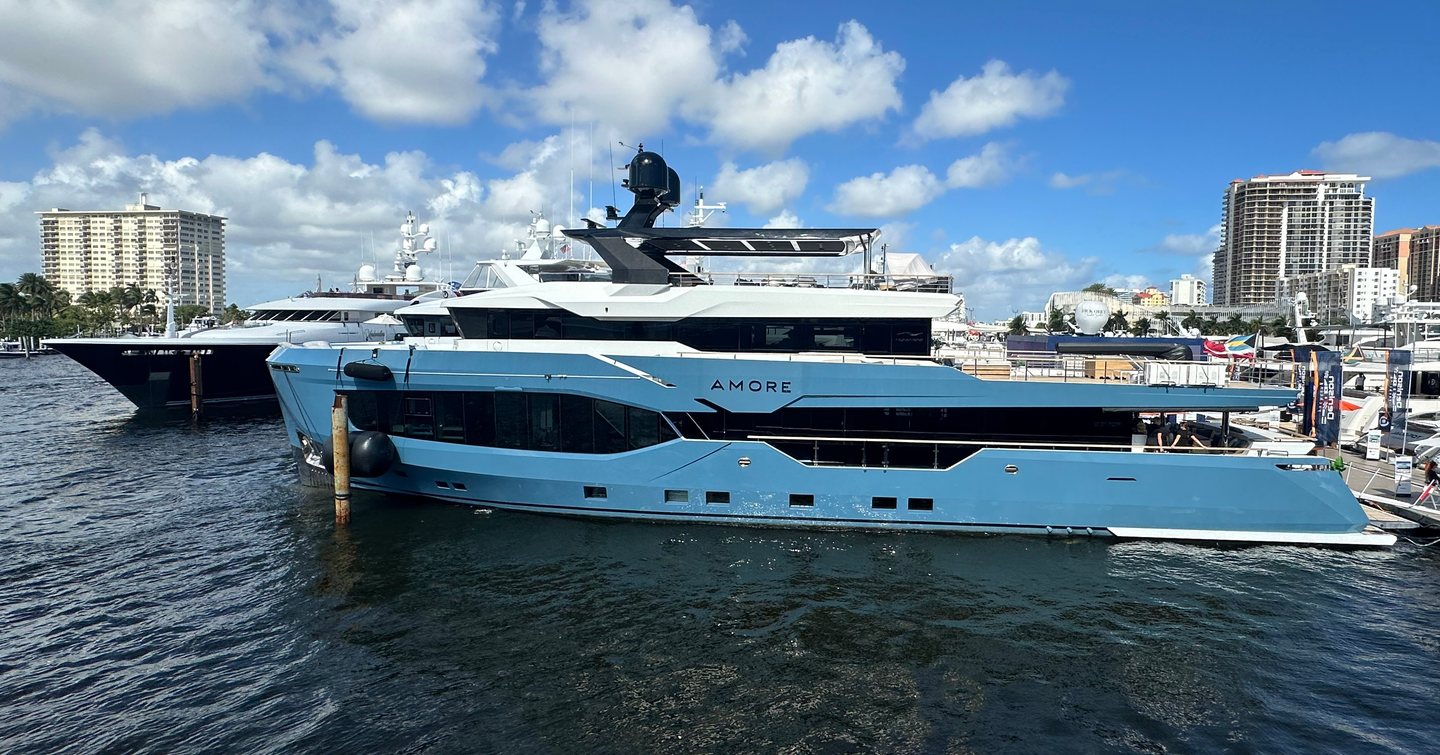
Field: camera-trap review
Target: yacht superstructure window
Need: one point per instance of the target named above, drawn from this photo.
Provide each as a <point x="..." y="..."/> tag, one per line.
<point x="511" y="419"/>
<point x="870" y="335"/>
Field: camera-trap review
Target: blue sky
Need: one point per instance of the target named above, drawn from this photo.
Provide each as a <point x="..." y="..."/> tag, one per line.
<point x="1025" y="147"/>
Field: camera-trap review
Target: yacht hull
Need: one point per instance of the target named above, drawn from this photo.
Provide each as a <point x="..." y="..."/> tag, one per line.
<point x="155" y="373"/>
<point x="752" y="482"/>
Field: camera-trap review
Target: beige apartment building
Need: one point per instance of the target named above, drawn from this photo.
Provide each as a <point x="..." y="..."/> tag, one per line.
<point x="1392" y="250"/>
<point x="1424" y="265"/>
<point x="1281" y="226"/>
<point x="96" y="250"/>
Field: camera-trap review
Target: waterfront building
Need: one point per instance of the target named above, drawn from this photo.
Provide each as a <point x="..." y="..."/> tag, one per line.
<point x="1392" y="250"/>
<point x="1151" y="298"/>
<point x="1348" y="294"/>
<point x="1423" y="270"/>
<point x="1188" y="291"/>
<point x="85" y="251"/>
<point x="1289" y="225"/>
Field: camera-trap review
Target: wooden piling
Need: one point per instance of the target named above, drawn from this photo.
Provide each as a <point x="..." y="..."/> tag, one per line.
<point x="340" y="441"/>
<point x="197" y="389"/>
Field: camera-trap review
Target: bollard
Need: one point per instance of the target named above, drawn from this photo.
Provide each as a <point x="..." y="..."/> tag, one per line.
<point x="340" y="440"/>
<point x="197" y="391"/>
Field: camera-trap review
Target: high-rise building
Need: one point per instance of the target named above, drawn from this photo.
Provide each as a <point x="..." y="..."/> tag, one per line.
<point x="1348" y="294"/>
<point x="1423" y="272"/>
<point x="1284" y="226"/>
<point x="97" y="250"/>
<point x="1392" y="250"/>
<point x="1188" y="290"/>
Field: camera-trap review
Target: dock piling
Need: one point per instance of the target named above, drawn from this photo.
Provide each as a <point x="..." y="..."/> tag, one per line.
<point x="197" y="390"/>
<point x="340" y="440"/>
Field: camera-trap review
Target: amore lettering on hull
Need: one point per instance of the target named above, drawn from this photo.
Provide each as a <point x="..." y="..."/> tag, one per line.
<point x="752" y="386"/>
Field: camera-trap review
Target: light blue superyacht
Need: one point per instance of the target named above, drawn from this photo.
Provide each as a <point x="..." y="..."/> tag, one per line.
<point x="657" y="396"/>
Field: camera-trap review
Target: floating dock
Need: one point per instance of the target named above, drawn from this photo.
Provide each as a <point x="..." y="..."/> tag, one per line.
<point x="1373" y="483"/>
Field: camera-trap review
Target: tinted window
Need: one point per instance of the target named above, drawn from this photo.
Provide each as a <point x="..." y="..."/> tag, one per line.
<point x="480" y="419"/>
<point x="362" y="410"/>
<point x="511" y="425"/>
<point x="577" y="425"/>
<point x="544" y="422"/>
<point x="609" y="418"/>
<point x="644" y="427"/>
<point x="449" y="416"/>
<point x="419" y="416"/>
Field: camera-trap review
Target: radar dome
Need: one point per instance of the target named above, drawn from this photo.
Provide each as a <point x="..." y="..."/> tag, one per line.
<point x="413" y="274"/>
<point x="429" y="245"/>
<point x="367" y="273"/>
<point x="542" y="226"/>
<point x="424" y="228"/>
<point x="1091" y="316"/>
<point x="557" y="230"/>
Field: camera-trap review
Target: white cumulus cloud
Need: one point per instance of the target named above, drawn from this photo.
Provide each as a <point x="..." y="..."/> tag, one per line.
<point x="764" y="188"/>
<point x="994" y="99"/>
<point x="1379" y="154"/>
<point x="807" y="85"/>
<point x="1000" y="277"/>
<point x="626" y="64"/>
<point x="290" y="221"/>
<point x="991" y="166"/>
<point x="786" y="219"/>
<point x="127" y="57"/>
<point x="411" y="61"/>
<point x="1188" y="244"/>
<point x="881" y="195"/>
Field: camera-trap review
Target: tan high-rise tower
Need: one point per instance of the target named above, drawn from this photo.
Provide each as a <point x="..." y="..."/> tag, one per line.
<point x="1280" y="226"/>
<point x="85" y="251"/>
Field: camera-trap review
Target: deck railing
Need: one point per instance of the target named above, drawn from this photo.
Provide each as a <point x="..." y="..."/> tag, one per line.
<point x="877" y="452"/>
<point x="929" y="284"/>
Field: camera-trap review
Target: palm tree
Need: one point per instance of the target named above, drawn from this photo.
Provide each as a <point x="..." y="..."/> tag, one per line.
<point x="1056" y="321"/>
<point x="11" y="301"/>
<point x="1118" y="323"/>
<point x="1164" y="318"/>
<point x="1142" y="326"/>
<point x="1017" y="326"/>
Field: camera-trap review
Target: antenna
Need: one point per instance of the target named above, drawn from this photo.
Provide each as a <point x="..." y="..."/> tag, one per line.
<point x="614" y="200"/>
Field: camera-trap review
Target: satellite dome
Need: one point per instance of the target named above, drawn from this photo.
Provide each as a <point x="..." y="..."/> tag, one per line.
<point x="367" y="273"/>
<point x="1091" y="316"/>
<point x="542" y="226"/>
<point x="424" y="228"/>
<point x="557" y="230"/>
<point x="413" y="274"/>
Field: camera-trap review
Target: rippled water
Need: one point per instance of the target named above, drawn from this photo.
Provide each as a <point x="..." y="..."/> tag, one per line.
<point x="169" y="587"/>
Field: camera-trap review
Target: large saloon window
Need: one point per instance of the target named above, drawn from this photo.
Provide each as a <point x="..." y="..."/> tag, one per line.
<point x="870" y="336"/>
<point x="511" y="419"/>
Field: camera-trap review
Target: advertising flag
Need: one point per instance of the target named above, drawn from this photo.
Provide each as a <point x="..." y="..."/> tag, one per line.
<point x="1397" y="390"/>
<point x="1325" y="408"/>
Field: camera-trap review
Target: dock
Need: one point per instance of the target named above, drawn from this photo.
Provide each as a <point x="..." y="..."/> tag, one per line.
<point x="1373" y="483"/>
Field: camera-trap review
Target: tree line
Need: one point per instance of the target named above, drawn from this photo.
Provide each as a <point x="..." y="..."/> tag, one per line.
<point x="1161" y="324"/>
<point x="33" y="307"/>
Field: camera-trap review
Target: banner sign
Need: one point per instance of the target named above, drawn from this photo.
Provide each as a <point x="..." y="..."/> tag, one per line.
<point x="1323" y="407"/>
<point x="1397" y="390"/>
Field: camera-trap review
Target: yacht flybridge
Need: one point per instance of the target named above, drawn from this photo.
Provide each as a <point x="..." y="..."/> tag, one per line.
<point x="658" y="396"/>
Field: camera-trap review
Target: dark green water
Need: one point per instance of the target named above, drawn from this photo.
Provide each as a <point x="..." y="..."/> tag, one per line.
<point x="171" y="588"/>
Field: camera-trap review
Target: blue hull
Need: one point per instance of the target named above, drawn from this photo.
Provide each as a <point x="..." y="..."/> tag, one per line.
<point x="1169" y="495"/>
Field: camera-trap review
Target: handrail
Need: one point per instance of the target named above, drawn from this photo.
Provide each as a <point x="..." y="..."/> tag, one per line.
<point x="933" y="284"/>
<point x="1024" y="444"/>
